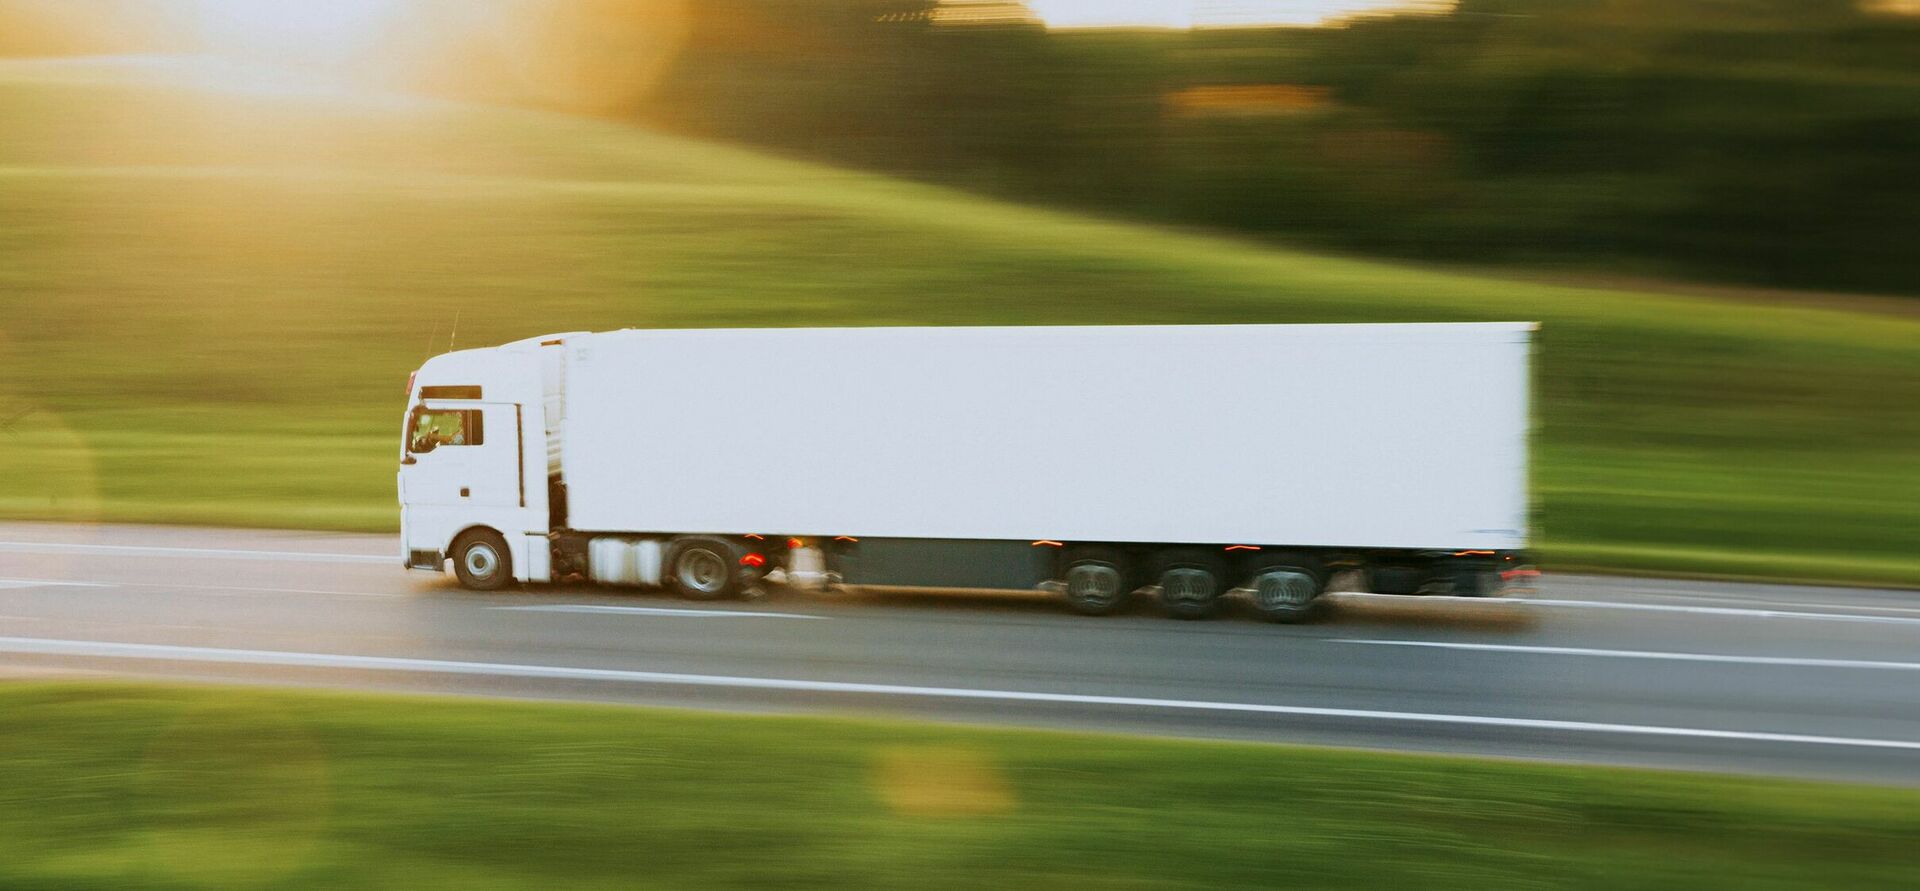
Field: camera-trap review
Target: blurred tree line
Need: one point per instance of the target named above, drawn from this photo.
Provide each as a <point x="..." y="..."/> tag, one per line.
<point x="1763" y="141"/>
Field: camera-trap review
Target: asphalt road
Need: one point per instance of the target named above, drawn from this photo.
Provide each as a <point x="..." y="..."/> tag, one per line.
<point x="1818" y="682"/>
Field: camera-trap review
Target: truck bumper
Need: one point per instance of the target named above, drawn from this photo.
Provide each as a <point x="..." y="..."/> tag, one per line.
<point x="433" y="560"/>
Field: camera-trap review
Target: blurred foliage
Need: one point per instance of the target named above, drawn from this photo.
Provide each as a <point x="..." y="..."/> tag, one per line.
<point x="1752" y="141"/>
<point x="212" y="292"/>
<point x="124" y="786"/>
<point x="1755" y="141"/>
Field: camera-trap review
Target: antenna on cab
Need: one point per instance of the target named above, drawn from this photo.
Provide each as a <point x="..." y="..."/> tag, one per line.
<point x="454" y="335"/>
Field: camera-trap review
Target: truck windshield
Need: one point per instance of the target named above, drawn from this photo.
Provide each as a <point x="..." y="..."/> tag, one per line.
<point x="433" y="428"/>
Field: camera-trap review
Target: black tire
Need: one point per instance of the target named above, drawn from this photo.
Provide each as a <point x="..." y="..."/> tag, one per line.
<point x="1190" y="582"/>
<point x="704" y="568"/>
<point x="1099" y="580"/>
<point x="481" y="560"/>
<point x="1287" y="586"/>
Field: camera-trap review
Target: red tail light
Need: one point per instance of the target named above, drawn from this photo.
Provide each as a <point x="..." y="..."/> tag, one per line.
<point x="754" y="560"/>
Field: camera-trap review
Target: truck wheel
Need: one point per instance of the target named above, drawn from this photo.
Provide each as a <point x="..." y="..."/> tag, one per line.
<point x="1287" y="587"/>
<point x="1098" y="580"/>
<point x="1190" y="584"/>
<point x="704" y="569"/>
<point x="481" y="561"/>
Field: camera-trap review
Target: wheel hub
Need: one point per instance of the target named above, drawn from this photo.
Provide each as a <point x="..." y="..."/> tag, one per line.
<point x="1093" y="583"/>
<point x="481" y="561"/>
<point x="1188" y="585"/>
<point x="1283" y="590"/>
<point x="703" y="570"/>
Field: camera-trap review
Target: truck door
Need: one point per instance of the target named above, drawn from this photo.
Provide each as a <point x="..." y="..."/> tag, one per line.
<point x="463" y="454"/>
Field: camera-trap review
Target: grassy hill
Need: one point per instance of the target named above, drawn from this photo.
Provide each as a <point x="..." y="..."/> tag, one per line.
<point x="212" y="289"/>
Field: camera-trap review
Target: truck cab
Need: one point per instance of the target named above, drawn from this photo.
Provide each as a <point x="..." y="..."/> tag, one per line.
<point x="474" y="462"/>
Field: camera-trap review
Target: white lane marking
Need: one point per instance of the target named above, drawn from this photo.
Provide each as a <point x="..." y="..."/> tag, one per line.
<point x="1857" y="607"/>
<point x="1731" y="611"/>
<point x="652" y="611"/>
<point x="1647" y="607"/>
<point x="12" y="584"/>
<point x="1797" y="661"/>
<point x="242" y="590"/>
<point x="164" y="652"/>
<point x="60" y="547"/>
<point x="215" y="590"/>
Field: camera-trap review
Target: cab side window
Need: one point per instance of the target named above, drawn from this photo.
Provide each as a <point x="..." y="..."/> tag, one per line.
<point x="433" y="428"/>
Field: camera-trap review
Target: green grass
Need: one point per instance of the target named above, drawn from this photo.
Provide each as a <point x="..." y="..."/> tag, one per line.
<point x="118" y="786"/>
<point x="210" y="299"/>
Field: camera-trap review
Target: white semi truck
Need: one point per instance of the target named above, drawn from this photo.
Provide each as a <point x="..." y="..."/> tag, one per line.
<point x="1185" y="462"/>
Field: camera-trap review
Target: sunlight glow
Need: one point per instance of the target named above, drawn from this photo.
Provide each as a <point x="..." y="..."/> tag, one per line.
<point x="1218" y="13"/>
<point x="306" y="30"/>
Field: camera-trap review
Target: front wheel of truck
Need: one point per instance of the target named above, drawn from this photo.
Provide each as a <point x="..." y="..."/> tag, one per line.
<point x="481" y="560"/>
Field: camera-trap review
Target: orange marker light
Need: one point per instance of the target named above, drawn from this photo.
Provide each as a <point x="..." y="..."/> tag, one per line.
<point x="844" y="538"/>
<point x="1243" y="547"/>
<point x="1049" y="543"/>
<point x="754" y="560"/>
<point x="795" y="543"/>
<point x="756" y="536"/>
<point x="1473" y="553"/>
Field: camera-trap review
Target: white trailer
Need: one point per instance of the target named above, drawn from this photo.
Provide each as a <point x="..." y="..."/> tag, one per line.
<point x="1186" y="460"/>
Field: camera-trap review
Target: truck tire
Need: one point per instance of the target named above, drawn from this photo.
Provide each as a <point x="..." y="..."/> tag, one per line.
<point x="704" y="568"/>
<point x="481" y="561"/>
<point x="1190" y="583"/>
<point x="1098" y="580"/>
<point x="1287" y="586"/>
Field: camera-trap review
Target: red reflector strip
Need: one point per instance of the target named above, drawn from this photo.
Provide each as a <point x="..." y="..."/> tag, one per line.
<point x="1473" y="553"/>
<point x="1512" y="574"/>
<point x="754" y="560"/>
<point x="1049" y="543"/>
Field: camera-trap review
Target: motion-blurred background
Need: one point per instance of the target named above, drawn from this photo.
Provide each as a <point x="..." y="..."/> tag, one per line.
<point x="228" y="229"/>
